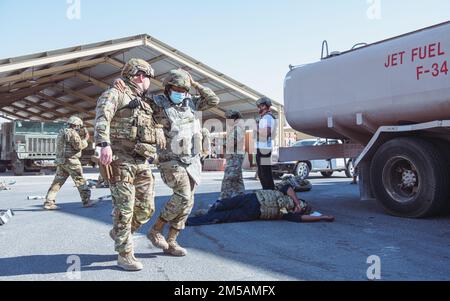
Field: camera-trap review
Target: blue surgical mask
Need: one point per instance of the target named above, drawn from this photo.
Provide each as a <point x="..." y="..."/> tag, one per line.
<point x="177" y="97"/>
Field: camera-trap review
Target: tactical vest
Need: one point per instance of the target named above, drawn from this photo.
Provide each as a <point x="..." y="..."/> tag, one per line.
<point x="132" y="126"/>
<point x="63" y="148"/>
<point x="184" y="139"/>
<point x="272" y="203"/>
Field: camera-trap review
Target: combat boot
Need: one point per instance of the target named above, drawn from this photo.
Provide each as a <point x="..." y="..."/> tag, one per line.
<point x="128" y="262"/>
<point x="156" y="237"/>
<point x="86" y="198"/>
<point x="174" y="248"/>
<point x="89" y="203"/>
<point x="50" y="205"/>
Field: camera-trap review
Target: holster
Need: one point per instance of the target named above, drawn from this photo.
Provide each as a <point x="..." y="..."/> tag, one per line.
<point x="115" y="173"/>
<point x="106" y="171"/>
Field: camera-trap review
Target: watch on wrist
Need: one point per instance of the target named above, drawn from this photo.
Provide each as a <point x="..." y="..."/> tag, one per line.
<point x="103" y="144"/>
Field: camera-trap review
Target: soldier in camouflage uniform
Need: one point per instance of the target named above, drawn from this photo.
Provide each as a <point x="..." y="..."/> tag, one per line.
<point x="179" y="164"/>
<point x="206" y="143"/>
<point x="263" y="205"/>
<point x="127" y="134"/>
<point x="69" y="145"/>
<point x="233" y="183"/>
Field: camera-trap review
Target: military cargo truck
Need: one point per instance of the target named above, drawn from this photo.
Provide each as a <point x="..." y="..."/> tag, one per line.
<point x="28" y="145"/>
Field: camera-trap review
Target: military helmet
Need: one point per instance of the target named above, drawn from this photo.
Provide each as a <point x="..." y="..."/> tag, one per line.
<point x="178" y="78"/>
<point x="75" y="121"/>
<point x="233" y="114"/>
<point x="296" y="182"/>
<point x="264" y="101"/>
<point x="133" y="66"/>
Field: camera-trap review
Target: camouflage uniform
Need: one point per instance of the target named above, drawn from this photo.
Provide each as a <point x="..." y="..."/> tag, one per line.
<point x="296" y="182"/>
<point x="274" y="203"/>
<point x="233" y="183"/>
<point x="130" y="133"/>
<point x="69" y="145"/>
<point x="206" y="143"/>
<point x="179" y="164"/>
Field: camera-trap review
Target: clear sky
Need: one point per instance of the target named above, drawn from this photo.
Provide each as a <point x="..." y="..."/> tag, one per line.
<point x="252" y="41"/>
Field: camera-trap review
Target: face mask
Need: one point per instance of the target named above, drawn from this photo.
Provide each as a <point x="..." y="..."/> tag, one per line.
<point x="177" y="97"/>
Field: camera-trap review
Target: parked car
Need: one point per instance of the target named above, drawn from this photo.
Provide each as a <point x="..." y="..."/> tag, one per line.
<point x="325" y="167"/>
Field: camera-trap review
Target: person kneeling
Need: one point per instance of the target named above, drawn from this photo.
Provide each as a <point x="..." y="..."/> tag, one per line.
<point x="281" y="204"/>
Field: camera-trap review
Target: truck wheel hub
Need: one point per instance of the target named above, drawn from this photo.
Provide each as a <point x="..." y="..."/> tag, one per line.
<point x="409" y="178"/>
<point x="401" y="180"/>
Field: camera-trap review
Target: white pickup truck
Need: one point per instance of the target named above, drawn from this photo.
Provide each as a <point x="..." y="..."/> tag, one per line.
<point x="325" y="166"/>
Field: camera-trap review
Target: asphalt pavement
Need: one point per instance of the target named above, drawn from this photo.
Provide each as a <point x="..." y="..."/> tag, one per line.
<point x="43" y="245"/>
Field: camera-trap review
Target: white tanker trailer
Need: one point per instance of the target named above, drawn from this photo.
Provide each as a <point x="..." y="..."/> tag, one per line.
<point x="390" y="101"/>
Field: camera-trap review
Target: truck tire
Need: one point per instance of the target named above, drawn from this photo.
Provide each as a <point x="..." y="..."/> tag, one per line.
<point x="302" y="170"/>
<point x="18" y="168"/>
<point x="409" y="178"/>
<point x="326" y="174"/>
<point x="349" y="170"/>
<point x="444" y="148"/>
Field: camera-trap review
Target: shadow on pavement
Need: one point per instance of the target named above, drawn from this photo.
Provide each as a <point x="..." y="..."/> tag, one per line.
<point x="58" y="263"/>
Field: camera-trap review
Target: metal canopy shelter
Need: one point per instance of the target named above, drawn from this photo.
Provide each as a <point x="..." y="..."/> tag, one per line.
<point x="54" y="85"/>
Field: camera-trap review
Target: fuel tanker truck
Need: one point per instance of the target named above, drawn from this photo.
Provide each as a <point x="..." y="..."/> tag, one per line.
<point x="390" y="102"/>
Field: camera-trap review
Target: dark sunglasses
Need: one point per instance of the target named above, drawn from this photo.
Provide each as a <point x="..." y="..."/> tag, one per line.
<point x="144" y="74"/>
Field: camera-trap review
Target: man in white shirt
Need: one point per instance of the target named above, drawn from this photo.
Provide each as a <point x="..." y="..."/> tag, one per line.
<point x="264" y="144"/>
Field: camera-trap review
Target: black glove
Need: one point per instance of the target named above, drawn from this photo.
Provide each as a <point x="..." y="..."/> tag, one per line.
<point x="134" y="103"/>
<point x="292" y="217"/>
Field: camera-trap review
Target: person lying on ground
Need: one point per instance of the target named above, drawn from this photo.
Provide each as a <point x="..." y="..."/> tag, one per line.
<point x="281" y="204"/>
